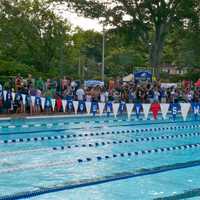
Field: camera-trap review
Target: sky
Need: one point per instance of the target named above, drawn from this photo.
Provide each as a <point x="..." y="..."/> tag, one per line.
<point x="75" y="20"/>
<point x="84" y="23"/>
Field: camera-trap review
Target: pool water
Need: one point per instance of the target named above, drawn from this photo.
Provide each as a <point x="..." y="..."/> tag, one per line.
<point x="99" y="159"/>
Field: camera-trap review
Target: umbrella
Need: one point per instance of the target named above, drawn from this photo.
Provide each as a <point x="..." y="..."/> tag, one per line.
<point x="197" y="84"/>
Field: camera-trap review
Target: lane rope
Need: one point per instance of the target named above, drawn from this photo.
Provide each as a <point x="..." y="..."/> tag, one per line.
<point x="99" y="158"/>
<point x="98" y="144"/>
<point x="58" y="137"/>
<point x="105" y="179"/>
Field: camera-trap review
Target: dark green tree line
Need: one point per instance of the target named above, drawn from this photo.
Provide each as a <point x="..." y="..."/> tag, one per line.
<point x="150" y="21"/>
<point x="30" y="33"/>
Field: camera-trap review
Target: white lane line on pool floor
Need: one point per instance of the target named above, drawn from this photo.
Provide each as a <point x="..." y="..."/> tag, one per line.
<point x="72" y="123"/>
<point x="14" y="153"/>
<point x="37" y="166"/>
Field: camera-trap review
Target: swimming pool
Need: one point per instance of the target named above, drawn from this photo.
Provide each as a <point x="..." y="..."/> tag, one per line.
<point x="99" y="158"/>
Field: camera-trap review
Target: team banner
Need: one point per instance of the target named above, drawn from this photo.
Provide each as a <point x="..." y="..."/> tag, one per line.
<point x="13" y="96"/>
<point x="53" y="101"/>
<point x="75" y="104"/>
<point x="101" y="108"/>
<point x="94" y="108"/>
<point x="164" y="109"/>
<point x="174" y="107"/>
<point x="195" y="109"/>
<point x="155" y="108"/>
<point x="185" y="107"/>
<point x="70" y="107"/>
<point x="115" y="107"/>
<point x="64" y="104"/>
<point x="138" y="109"/>
<point x="122" y="107"/>
<point x="43" y="102"/>
<point x="129" y="108"/>
<point x="33" y="100"/>
<point x="1" y="91"/>
<point x="37" y="101"/>
<point x="110" y="107"/>
<point x="81" y="106"/>
<point x="88" y="107"/>
<point x="24" y="98"/>
<point x="146" y="108"/>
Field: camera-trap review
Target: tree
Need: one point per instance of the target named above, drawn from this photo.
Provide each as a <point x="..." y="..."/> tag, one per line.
<point x="87" y="51"/>
<point x="148" y="20"/>
<point x="31" y="34"/>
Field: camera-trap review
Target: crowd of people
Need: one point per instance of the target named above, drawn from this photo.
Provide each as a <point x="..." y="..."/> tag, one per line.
<point x="115" y="91"/>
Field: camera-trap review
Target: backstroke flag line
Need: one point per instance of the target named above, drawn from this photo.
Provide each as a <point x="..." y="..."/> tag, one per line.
<point x="33" y="100"/>
<point x="185" y="107"/>
<point x="4" y="94"/>
<point x="129" y="108"/>
<point x="88" y="107"/>
<point x="164" y="109"/>
<point x="64" y="104"/>
<point x="115" y="109"/>
<point x="24" y="98"/>
<point x="101" y="108"/>
<point x="42" y="102"/>
<point x="53" y="101"/>
<point x="13" y="96"/>
<point x="146" y="108"/>
<point x="75" y="103"/>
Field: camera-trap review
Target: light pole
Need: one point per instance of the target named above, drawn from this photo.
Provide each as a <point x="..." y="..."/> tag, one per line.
<point x="103" y="55"/>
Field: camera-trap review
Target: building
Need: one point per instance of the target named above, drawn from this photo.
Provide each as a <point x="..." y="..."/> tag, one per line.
<point x="172" y="70"/>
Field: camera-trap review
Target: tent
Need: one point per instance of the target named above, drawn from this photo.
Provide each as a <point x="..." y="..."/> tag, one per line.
<point x="143" y="76"/>
<point x="128" y="78"/>
<point x="197" y="84"/>
<point x="169" y="85"/>
<point x="93" y="83"/>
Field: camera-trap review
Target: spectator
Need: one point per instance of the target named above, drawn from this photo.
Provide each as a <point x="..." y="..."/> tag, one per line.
<point x="39" y="84"/>
<point x="18" y="82"/>
<point x="80" y="94"/>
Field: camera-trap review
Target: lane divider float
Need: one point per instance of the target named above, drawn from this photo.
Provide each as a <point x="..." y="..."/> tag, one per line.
<point x="99" y="144"/>
<point x="58" y="137"/>
<point x="99" y="158"/>
<point x="119" y="142"/>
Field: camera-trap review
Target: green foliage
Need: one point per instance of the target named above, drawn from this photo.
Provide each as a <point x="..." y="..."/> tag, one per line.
<point x="13" y="68"/>
<point x="148" y="21"/>
<point x="32" y="34"/>
<point x="33" y="39"/>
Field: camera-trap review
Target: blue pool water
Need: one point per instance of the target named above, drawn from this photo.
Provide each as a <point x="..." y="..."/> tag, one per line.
<point x="99" y="159"/>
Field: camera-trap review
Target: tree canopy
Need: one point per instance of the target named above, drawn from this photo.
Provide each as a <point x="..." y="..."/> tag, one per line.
<point x="33" y="38"/>
<point x="148" y="20"/>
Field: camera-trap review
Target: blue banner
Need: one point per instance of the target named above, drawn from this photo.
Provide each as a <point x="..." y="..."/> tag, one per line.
<point x="1" y="91"/>
<point x="108" y="108"/>
<point x="81" y="106"/>
<point x="18" y="97"/>
<point x="174" y="107"/>
<point x="9" y="96"/>
<point x="94" y="108"/>
<point x="122" y="107"/>
<point x="138" y="109"/>
<point x="195" y="109"/>
<point x="48" y="103"/>
<point x="38" y="101"/>
<point x="70" y="106"/>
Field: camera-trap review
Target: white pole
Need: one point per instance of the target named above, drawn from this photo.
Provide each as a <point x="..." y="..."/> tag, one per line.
<point x="103" y="55"/>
